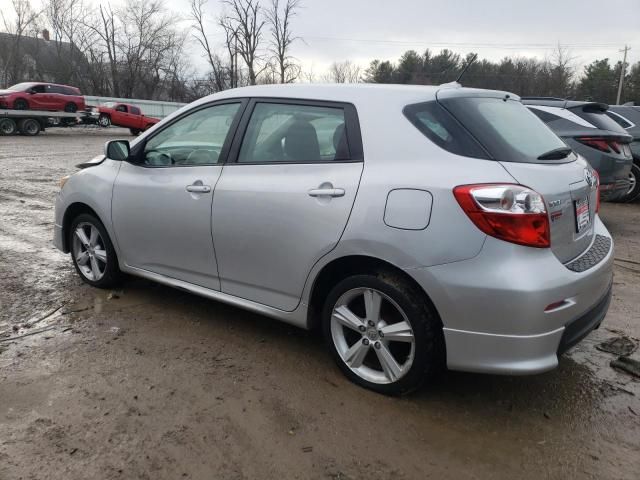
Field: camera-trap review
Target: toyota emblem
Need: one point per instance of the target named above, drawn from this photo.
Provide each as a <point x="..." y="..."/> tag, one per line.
<point x="589" y="177"/>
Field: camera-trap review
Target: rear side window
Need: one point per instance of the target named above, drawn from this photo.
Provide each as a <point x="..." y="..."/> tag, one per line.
<point x="543" y="115"/>
<point x="291" y="133"/>
<point x="508" y="130"/>
<point x="619" y="120"/>
<point x="441" y="128"/>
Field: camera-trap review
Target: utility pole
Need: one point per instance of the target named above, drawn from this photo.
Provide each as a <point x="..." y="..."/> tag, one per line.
<point x="623" y="70"/>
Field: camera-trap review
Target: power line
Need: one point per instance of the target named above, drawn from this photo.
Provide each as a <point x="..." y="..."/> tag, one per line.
<point x="468" y="44"/>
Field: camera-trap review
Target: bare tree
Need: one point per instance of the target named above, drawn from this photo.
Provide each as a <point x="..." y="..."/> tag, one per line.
<point x="279" y="19"/>
<point x="215" y="63"/>
<point x="343" y="72"/>
<point x="245" y="19"/>
<point x="25" y="21"/>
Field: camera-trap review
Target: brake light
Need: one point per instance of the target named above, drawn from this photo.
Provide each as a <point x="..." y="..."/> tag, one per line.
<point x="600" y="143"/>
<point x="597" y="175"/>
<point x="512" y="213"/>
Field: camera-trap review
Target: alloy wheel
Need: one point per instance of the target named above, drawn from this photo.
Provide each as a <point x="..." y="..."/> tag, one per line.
<point x="372" y="335"/>
<point x="633" y="182"/>
<point x="89" y="251"/>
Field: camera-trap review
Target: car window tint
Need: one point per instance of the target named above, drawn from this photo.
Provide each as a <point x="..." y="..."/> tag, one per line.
<point x="195" y="139"/>
<point x="135" y="110"/>
<point x="294" y="133"/>
<point x="121" y="108"/>
<point x="508" y="130"/>
<point x="442" y="129"/>
<point x="38" y="89"/>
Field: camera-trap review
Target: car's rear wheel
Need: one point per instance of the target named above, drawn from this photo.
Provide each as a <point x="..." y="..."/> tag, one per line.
<point x="8" y="126"/>
<point x="383" y="333"/>
<point x="21" y="104"/>
<point x="134" y="131"/>
<point x="71" y="107"/>
<point x="634" y="176"/>
<point x="104" y="120"/>
<point x="29" y="127"/>
<point x="92" y="252"/>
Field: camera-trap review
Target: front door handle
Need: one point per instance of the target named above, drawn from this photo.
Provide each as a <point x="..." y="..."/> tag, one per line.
<point x="198" y="187"/>
<point x="326" y="192"/>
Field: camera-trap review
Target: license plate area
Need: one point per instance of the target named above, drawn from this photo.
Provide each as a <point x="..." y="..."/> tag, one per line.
<point x="583" y="217"/>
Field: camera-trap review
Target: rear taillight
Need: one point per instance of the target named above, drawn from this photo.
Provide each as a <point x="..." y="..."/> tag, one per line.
<point x="512" y="213"/>
<point x="600" y="143"/>
<point x="597" y="175"/>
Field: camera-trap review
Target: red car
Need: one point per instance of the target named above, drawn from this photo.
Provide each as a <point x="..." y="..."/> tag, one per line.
<point x="42" y="96"/>
<point x="124" y="115"/>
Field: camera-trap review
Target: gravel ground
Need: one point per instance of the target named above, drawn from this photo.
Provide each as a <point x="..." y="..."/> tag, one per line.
<point x="153" y="383"/>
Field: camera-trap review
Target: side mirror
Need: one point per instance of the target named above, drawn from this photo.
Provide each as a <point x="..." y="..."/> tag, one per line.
<point x="117" y="149"/>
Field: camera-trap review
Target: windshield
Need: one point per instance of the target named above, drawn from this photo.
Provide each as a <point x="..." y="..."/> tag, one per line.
<point x="20" y="87"/>
<point x="109" y="104"/>
<point x="505" y="128"/>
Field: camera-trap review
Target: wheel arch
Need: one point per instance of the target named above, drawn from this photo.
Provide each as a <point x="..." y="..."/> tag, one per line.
<point x="346" y="266"/>
<point x="72" y="211"/>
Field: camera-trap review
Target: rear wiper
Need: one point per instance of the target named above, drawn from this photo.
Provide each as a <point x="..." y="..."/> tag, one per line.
<point x="556" y="154"/>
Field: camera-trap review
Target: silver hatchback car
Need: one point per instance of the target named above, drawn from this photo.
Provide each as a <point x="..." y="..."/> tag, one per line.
<point x="419" y="227"/>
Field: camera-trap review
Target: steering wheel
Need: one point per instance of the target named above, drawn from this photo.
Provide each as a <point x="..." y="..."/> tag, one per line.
<point x="158" y="158"/>
<point x="201" y="156"/>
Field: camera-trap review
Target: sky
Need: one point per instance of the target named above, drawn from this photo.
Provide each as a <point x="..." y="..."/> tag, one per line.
<point x="363" y="30"/>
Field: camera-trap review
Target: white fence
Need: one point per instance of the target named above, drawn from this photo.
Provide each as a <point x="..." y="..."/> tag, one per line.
<point x="151" y="108"/>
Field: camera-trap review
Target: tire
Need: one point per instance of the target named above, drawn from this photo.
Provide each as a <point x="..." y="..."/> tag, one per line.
<point x="634" y="192"/>
<point x="21" y="104"/>
<point x="8" y="126"/>
<point x="419" y="350"/>
<point x="101" y="266"/>
<point x="29" y="127"/>
<point x="134" y="131"/>
<point x="71" y="107"/>
<point x="104" y="120"/>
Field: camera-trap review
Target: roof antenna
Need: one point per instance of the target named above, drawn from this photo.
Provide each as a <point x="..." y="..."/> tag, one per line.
<point x="464" y="70"/>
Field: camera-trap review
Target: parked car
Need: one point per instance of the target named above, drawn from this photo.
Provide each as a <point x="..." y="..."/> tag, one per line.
<point x="42" y="96"/>
<point x="628" y="117"/>
<point x="586" y="128"/>
<point x="124" y="115"/>
<point x="418" y="226"/>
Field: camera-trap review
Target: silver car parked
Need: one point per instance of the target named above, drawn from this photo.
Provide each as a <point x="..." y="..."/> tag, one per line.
<point x="419" y="227"/>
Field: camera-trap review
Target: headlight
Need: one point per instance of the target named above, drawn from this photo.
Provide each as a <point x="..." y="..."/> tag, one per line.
<point x="63" y="180"/>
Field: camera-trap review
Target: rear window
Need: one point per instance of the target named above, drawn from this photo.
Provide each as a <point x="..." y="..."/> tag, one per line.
<point x="505" y="128"/>
<point x="599" y="119"/>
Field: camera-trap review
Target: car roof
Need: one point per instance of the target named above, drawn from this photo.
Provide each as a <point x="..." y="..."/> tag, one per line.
<point x="352" y="92"/>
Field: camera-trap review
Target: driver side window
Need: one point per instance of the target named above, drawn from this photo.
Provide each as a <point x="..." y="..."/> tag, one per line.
<point x="196" y="139"/>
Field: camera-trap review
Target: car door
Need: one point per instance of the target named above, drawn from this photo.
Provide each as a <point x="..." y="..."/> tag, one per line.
<point x="161" y="206"/>
<point x="38" y="98"/>
<point x="119" y="116"/>
<point x="284" y="200"/>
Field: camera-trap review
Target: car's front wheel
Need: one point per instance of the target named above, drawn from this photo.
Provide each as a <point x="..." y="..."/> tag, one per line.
<point x="383" y="333"/>
<point x="71" y="107"/>
<point x="21" y="104"/>
<point x="92" y="252"/>
<point x="104" y="120"/>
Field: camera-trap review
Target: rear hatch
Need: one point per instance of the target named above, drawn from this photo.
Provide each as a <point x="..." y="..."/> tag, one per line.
<point x="535" y="157"/>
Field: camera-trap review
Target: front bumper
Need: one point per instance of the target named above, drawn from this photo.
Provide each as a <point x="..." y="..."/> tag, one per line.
<point x="494" y="307"/>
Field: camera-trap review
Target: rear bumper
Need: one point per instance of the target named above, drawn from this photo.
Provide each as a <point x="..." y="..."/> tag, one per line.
<point x="496" y="308"/>
<point x="615" y="190"/>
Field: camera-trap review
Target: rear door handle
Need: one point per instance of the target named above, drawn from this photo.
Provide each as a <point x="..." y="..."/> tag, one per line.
<point x="326" y="192"/>
<point x="198" y="187"/>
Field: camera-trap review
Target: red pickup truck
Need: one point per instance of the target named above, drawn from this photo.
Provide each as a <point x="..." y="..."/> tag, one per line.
<point x="124" y="115"/>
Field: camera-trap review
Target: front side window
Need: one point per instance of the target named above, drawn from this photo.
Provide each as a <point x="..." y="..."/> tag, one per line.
<point x="121" y="108"/>
<point x="38" y="89"/>
<point x="135" y="110"/>
<point x="295" y="134"/>
<point x="196" y="139"/>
